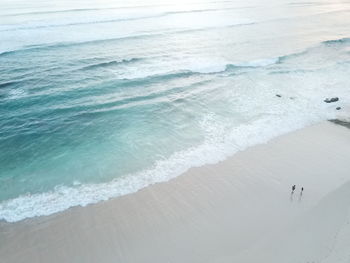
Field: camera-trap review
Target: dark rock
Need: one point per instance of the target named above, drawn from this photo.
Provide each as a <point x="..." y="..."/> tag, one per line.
<point x="338" y="108"/>
<point x="329" y="100"/>
<point x="278" y="95"/>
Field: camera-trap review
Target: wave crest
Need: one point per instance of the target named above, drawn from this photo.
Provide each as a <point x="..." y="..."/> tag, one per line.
<point x="111" y="63"/>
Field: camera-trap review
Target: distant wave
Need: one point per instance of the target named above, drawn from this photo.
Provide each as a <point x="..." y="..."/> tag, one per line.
<point x="256" y="63"/>
<point x="14" y="28"/>
<point x="4" y="53"/>
<point x="123" y="38"/>
<point x="130" y="101"/>
<point x="323" y="43"/>
<point x="8" y="84"/>
<point x="198" y="70"/>
<point x="71" y="44"/>
<point x="284" y="72"/>
<point x="187" y="71"/>
<point x="260" y="63"/>
<point x="306" y="3"/>
<point x="145" y="35"/>
<point x="78" y="10"/>
<point x="118" y="8"/>
<point x="158" y="77"/>
<point x="336" y="41"/>
<point x="205" y="69"/>
<point x="111" y="63"/>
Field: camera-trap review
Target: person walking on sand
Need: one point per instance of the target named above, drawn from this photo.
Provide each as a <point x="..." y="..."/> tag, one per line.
<point x="293" y="188"/>
<point x="292" y="193"/>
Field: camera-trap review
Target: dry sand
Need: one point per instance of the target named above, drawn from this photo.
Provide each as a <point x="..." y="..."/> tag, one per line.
<point x="239" y="210"/>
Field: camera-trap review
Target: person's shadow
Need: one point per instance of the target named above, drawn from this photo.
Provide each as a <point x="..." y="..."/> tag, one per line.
<point x="300" y="196"/>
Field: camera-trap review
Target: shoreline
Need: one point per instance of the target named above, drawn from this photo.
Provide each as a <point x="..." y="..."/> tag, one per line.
<point x="215" y="213"/>
<point x="62" y="198"/>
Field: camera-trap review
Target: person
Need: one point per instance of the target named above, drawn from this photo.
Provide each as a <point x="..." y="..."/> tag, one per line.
<point x="302" y="189"/>
<point x="293" y="188"/>
<point x="292" y="193"/>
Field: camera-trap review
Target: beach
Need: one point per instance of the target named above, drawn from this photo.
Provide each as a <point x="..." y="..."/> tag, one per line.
<point x="174" y="131"/>
<point x="238" y="210"/>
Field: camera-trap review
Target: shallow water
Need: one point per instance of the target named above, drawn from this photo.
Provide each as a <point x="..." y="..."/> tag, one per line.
<point x="101" y="98"/>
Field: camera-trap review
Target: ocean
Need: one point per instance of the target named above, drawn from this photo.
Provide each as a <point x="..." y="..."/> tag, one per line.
<point x="99" y="99"/>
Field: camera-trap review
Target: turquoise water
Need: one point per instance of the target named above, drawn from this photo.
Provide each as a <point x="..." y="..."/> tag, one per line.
<point x="99" y="99"/>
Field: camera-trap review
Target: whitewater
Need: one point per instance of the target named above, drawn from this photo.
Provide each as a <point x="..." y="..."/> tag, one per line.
<point x="100" y="99"/>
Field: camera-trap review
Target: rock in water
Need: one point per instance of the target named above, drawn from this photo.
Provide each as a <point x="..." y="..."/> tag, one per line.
<point x="329" y="100"/>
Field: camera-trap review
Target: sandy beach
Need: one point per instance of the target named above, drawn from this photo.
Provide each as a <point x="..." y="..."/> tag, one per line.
<point x="238" y="210"/>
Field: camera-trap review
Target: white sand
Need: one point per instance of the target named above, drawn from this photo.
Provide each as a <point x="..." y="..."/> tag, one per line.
<point x="239" y="210"/>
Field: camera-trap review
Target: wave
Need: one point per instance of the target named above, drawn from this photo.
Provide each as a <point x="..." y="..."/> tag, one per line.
<point x="9" y="84"/>
<point x="307" y="3"/>
<point x="146" y="35"/>
<point x="119" y="8"/>
<point x="330" y="42"/>
<point x="72" y="44"/>
<point x="78" y="10"/>
<point x="156" y="78"/>
<point x="190" y="70"/>
<point x="257" y="63"/>
<point x="213" y="150"/>
<point x="111" y="63"/>
<point x="164" y="14"/>
<point x="122" y="38"/>
<point x="229" y="67"/>
<point x="61" y="11"/>
<point x="285" y="72"/>
<point x="11" y="28"/>
<point x="336" y="41"/>
<point x="123" y="83"/>
<point x="198" y="68"/>
<point x="114" y="105"/>
<point x="5" y="53"/>
<point x="116" y="20"/>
